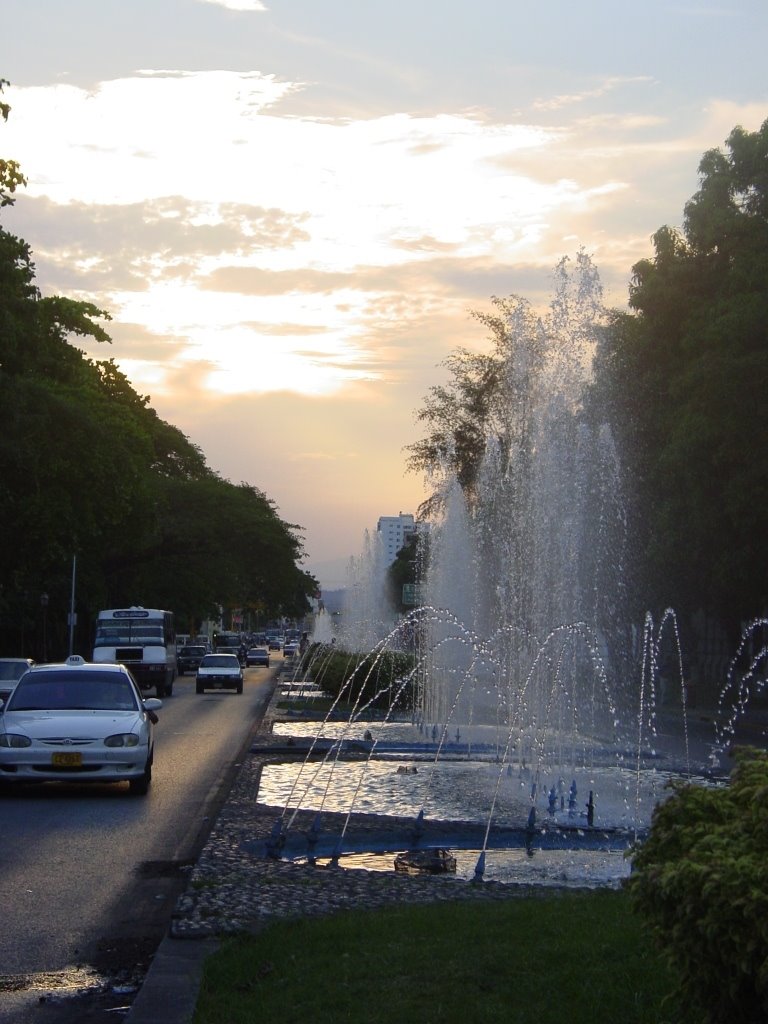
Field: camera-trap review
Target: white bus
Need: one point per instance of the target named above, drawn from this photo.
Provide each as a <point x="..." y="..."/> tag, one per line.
<point x="142" y="639"/>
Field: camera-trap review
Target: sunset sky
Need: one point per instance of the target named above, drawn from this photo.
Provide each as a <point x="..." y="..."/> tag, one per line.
<point x="290" y="207"/>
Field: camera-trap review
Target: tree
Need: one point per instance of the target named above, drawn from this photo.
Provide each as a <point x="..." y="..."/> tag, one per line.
<point x="89" y="468"/>
<point x="405" y="570"/>
<point x="489" y="397"/>
<point x="11" y="177"/>
<point x="686" y="372"/>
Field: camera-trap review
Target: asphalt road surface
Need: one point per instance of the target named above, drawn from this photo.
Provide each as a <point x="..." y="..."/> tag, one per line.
<point x="89" y="875"/>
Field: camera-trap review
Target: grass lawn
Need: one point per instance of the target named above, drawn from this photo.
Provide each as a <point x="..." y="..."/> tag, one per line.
<point x="550" y="958"/>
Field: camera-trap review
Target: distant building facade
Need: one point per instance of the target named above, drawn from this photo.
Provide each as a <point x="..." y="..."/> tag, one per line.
<point x="393" y="533"/>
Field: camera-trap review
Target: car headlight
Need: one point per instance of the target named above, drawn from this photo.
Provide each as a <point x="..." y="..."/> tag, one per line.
<point x="13" y="739"/>
<point x="122" y="739"/>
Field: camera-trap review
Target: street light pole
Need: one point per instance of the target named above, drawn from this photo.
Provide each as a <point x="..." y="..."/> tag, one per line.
<point x="44" y="605"/>
<point x="72" y="616"/>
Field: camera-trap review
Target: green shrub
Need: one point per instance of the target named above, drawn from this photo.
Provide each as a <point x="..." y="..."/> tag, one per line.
<point x="371" y="679"/>
<point x="701" y="882"/>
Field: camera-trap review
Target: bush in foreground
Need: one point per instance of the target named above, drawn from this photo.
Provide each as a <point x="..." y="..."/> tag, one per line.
<point x="701" y="882"/>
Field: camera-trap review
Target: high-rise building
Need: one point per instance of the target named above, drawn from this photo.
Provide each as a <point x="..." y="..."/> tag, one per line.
<point x="394" y="531"/>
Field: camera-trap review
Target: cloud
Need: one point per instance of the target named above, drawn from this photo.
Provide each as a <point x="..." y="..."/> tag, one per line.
<point x="606" y="86"/>
<point x="238" y="5"/>
<point x="109" y="248"/>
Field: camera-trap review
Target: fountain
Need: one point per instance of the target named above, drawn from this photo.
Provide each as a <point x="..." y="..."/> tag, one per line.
<point x="531" y="724"/>
<point x="366" y="617"/>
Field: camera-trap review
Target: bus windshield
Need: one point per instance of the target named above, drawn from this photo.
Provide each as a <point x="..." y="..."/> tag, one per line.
<point x="118" y="632"/>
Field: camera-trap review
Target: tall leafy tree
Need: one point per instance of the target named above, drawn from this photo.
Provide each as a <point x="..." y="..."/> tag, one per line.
<point x="88" y="468"/>
<point x="685" y="375"/>
<point x="488" y="397"/>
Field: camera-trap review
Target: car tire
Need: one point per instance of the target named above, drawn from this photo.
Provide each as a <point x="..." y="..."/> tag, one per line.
<point x="140" y="786"/>
<point x="199" y="688"/>
<point x="240" y="688"/>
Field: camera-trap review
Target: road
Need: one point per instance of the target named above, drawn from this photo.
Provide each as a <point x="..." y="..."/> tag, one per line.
<point x="89" y="875"/>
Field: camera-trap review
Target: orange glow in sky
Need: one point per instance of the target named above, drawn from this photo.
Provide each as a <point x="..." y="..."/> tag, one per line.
<point x="289" y="209"/>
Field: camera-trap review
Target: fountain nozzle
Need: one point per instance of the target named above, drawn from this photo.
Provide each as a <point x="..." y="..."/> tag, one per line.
<point x="276" y="840"/>
<point x="418" y="826"/>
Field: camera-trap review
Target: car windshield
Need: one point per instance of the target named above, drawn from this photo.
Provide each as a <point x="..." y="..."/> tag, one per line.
<point x="71" y="690"/>
<point x="192" y="651"/>
<point x="12" y="669"/>
<point x="220" y="661"/>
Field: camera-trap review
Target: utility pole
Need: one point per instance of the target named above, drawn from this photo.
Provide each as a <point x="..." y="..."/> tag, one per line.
<point x="72" y="616"/>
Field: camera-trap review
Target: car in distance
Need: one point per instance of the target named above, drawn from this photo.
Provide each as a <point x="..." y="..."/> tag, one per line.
<point x="78" y="722"/>
<point x="290" y="648"/>
<point x="257" y="656"/>
<point x="11" y="670"/>
<point x="274" y="643"/>
<point x="219" y="672"/>
<point x="189" y="658"/>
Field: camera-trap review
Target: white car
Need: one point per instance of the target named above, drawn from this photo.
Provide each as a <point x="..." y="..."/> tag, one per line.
<point x="219" y="672"/>
<point x="11" y="670"/>
<point x="78" y="722"/>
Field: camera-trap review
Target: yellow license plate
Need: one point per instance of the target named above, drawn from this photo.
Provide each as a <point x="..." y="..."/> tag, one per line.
<point x="68" y="760"/>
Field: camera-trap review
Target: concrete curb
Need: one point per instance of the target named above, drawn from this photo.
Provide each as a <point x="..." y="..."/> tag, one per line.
<point x="170" y="990"/>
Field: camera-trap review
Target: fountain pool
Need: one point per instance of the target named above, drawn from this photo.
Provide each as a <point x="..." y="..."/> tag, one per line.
<point x="530" y="680"/>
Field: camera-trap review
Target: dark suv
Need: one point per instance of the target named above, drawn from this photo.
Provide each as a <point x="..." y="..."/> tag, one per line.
<point x="188" y="658"/>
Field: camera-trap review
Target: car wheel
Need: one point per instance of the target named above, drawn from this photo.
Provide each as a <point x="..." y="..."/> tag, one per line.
<point x="240" y="687"/>
<point x="140" y="786"/>
<point x="199" y="688"/>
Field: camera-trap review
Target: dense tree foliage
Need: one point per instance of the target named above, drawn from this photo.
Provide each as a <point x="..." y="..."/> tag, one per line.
<point x="684" y="379"/>
<point x="680" y="379"/>
<point x="89" y="469"/>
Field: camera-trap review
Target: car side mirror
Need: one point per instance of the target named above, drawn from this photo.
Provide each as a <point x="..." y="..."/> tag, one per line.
<point x="151" y="706"/>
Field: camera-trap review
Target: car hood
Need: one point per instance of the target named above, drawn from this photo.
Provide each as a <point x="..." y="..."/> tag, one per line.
<point x="85" y="724"/>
